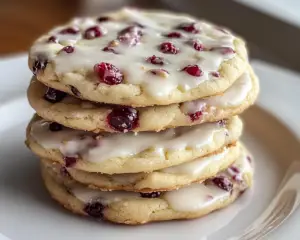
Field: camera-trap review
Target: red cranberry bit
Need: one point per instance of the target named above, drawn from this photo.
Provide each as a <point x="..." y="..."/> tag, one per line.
<point x="109" y="49"/>
<point x="130" y="40"/>
<point x="222" y="123"/>
<point x="70" y="161"/>
<point x="150" y="195"/>
<point x="92" y="32"/>
<point x="135" y="30"/>
<point x="54" y="96"/>
<point x="234" y="169"/>
<point x="38" y="65"/>
<point x="223" y="50"/>
<point x="108" y="73"/>
<point x="123" y="119"/>
<point x="103" y="19"/>
<point x="188" y="27"/>
<point x="64" y="172"/>
<point x="159" y="72"/>
<point x="195" y="116"/>
<point x="215" y="74"/>
<point x="94" y="209"/>
<point x="249" y="159"/>
<point x="223" y="183"/>
<point x="174" y="35"/>
<point x="198" y="46"/>
<point x="68" y="49"/>
<point x="193" y="70"/>
<point x="52" y="39"/>
<point x="75" y="91"/>
<point x="70" y="30"/>
<point x="155" y="60"/>
<point x="130" y="35"/>
<point x="168" y="48"/>
<point x="55" y="127"/>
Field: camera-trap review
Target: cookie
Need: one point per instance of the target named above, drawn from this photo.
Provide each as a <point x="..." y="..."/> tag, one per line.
<point x="85" y="115"/>
<point x="161" y="180"/>
<point x="139" y="58"/>
<point x="129" y="152"/>
<point x="193" y="201"/>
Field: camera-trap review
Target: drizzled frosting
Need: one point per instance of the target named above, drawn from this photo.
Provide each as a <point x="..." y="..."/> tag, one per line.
<point x="187" y="199"/>
<point x="233" y="96"/>
<point x="196" y="166"/>
<point x="131" y="59"/>
<point x="73" y="142"/>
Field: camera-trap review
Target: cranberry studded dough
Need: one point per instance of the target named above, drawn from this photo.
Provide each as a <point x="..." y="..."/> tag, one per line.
<point x="137" y="115"/>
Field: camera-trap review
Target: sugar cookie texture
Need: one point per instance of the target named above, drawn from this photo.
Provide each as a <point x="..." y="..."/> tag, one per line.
<point x="136" y="115"/>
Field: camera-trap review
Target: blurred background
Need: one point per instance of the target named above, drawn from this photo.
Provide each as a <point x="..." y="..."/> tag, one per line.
<point x="271" y="27"/>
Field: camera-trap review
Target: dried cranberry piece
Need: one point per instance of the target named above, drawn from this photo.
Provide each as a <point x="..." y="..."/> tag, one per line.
<point x="168" y="48"/>
<point x="64" y="172"/>
<point x="92" y="32"/>
<point x="155" y="60"/>
<point x="52" y="95"/>
<point x="223" y="183"/>
<point x="223" y="50"/>
<point x="75" y="91"/>
<point x="68" y="49"/>
<point x="38" y="65"/>
<point x="103" y="19"/>
<point x="198" y="46"/>
<point x="215" y="74"/>
<point x="188" y="27"/>
<point x="123" y="119"/>
<point x="108" y="73"/>
<point x="52" y="39"/>
<point x="222" y="123"/>
<point x="193" y="70"/>
<point x="94" y="209"/>
<point x="173" y="35"/>
<point x="195" y="116"/>
<point x="55" y="127"/>
<point x="234" y="169"/>
<point x="249" y="159"/>
<point x="135" y="30"/>
<point x="70" y="161"/>
<point x="150" y="195"/>
<point x="130" y="35"/>
<point x="160" y="72"/>
<point x="70" y="30"/>
<point x="109" y="49"/>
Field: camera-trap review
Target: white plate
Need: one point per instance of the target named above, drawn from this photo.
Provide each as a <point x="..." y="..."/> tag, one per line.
<point x="27" y="212"/>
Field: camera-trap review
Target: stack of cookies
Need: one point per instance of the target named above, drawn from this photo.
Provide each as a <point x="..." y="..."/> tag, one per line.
<point x="136" y="115"/>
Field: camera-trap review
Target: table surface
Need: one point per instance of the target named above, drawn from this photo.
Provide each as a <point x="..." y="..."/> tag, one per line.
<point x="21" y="22"/>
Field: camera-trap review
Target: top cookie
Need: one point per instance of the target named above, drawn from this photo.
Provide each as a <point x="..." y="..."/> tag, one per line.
<point x="138" y="58"/>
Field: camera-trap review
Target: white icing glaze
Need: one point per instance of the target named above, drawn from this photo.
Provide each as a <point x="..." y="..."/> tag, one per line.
<point x="233" y="96"/>
<point x="197" y="196"/>
<point x="131" y="60"/>
<point x="187" y="199"/>
<point x="87" y="195"/>
<point x="195" y="167"/>
<point x="40" y="131"/>
<point x="71" y="142"/>
<point x="194" y="197"/>
<point x="242" y="164"/>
